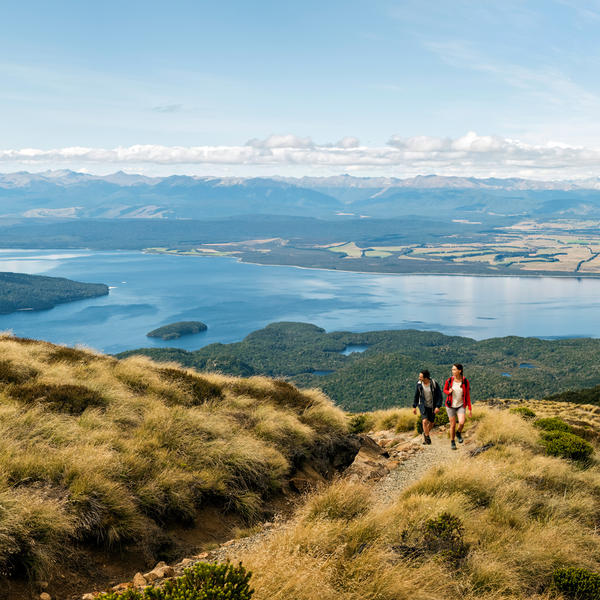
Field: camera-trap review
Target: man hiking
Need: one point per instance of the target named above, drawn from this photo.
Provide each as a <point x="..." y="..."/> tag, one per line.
<point x="428" y="397"/>
<point x="458" y="398"/>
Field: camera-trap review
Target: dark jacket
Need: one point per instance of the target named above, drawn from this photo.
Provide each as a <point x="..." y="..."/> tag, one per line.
<point x="466" y="386"/>
<point x="419" y="399"/>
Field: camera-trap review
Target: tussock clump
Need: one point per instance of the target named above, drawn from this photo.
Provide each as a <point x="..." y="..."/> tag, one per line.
<point x="15" y="373"/>
<point x="196" y="390"/>
<point x="67" y="398"/>
<point x="345" y="501"/>
<point x="69" y="355"/>
<point x="360" y="423"/>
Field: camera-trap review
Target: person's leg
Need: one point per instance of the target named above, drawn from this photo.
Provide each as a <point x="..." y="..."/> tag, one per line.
<point x="426" y="426"/>
<point x="452" y="427"/>
<point x="461" y="420"/>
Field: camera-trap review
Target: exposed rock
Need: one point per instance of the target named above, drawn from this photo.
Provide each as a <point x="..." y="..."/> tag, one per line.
<point x="370" y="463"/>
<point x="139" y="580"/>
<point x="45" y="596"/>
<point x="89" y="596"/>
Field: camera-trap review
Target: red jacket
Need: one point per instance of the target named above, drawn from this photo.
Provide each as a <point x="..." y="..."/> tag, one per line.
<point x="466" y="386"/>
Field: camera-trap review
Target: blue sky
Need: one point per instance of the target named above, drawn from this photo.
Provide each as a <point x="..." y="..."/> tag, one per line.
<point x="379" y="87"/>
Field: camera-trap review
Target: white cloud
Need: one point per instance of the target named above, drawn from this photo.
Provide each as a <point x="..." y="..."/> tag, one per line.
<point x="470" y="154"/>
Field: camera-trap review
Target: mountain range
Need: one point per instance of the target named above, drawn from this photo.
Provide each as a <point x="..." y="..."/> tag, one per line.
<point x="68" y="195"/>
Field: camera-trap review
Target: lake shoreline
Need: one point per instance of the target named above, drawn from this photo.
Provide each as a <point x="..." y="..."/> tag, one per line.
<point x="241" y="259"/>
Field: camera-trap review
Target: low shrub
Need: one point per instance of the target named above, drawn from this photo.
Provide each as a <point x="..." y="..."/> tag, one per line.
<point x="70" y="399"/>
<point x="579" y="584"/>
<point x="360" y="423"/>
<point x="552" y="424"/>
<point x="566" y="445"/>
<point x="441" y="418"/>
<point x="444" y="535"/>
<point x="203" y="581"/>
<point x="523" y="411"/>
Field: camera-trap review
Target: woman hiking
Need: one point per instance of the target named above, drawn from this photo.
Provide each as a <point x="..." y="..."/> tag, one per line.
<point x="458" y="398"/>
<point x="428" y="397"/>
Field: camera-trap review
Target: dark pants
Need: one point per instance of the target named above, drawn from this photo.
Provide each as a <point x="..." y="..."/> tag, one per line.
<point x="428" y="412"/>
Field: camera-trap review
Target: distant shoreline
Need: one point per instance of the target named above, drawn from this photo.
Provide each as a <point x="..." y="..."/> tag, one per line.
<point x="536" y="275"/>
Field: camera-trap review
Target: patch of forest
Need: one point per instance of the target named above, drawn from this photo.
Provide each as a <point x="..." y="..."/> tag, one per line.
<point x="385" y="374"/>
<point x="19" y="291"/>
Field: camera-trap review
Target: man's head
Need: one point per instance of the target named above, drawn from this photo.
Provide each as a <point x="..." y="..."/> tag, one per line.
<point x="424" y="376"/>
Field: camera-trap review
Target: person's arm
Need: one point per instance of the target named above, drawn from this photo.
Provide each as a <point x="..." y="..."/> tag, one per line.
<point x="437" y="400"/>
<point x="448" y="386"/>
<point x="468" y="396"/>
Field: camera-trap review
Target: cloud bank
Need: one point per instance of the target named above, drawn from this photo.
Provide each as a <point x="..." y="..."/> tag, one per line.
<point x="471" y="154"/>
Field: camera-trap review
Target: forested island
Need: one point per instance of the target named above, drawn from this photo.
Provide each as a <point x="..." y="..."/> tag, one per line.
<point x="172" y="331"/>
<point x="19" y="291"/>
<point x="385" y="373"/>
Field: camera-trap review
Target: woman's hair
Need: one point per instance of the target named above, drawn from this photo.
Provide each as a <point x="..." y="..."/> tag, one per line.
<point x="459" y="367"/>
<point x="425" y="373"/>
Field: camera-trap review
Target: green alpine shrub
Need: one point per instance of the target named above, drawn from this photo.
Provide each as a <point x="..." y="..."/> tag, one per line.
<point x="203" y="581"/>
<point x="360" y="423"/>
<point x="523" y="411"/>
<point x="579" y="584"/>
<point x="552" y="424"/>
<point x="566" y="445"/>
<point x="444" y="535"/>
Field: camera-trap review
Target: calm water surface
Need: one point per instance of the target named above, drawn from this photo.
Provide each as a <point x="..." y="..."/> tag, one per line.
<point x="233" y="299"/>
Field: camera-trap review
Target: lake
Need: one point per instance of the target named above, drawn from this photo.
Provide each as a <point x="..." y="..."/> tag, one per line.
<point x="234" y="299"/>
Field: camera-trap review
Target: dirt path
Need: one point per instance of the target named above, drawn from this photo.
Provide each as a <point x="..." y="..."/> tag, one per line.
<point x="412" y="469"/>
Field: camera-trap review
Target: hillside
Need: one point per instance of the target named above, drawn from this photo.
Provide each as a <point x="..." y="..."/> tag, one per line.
<point x="145" y="460"/>
<point x="19" y="291"/>
<point x="385" y="373"/>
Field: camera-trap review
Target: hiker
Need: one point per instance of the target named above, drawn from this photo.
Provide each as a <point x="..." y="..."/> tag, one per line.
<point x="428" y="397"/>
<point x="458" y="398"/>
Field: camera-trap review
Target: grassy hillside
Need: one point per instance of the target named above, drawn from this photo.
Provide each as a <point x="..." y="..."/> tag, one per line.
<point x="100" y="452"/>
<point x="386" y="373"/>
<point x="500" y="523"/>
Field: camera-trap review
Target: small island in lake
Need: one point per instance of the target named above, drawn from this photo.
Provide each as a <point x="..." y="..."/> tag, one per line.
<point x="176" y="330"/>
<point x="19" y="291"/>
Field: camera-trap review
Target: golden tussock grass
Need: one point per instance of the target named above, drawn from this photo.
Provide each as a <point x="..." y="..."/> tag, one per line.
<point x="162" y="443"/>
<point x="522" y="515"/>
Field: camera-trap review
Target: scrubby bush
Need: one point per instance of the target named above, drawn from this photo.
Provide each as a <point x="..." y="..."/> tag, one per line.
<point x="441" y="418"/>
<point x="444" y="535"/>
<point x="566" y="445"/>
<point x="70" y="399"/>
<point x="203" y="581"/>
<point x="360" y="423"/>
<point x="523" y="411"/>
<point x="579" y="584"/>
<point x="552" y="424"/>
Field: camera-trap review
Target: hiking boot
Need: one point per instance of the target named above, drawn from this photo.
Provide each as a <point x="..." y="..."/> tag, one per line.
<point x="459" y="437"/>
<point x="424" y="442"/>
<point x="428" y="439"/>
<point x="453" y="445"/>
